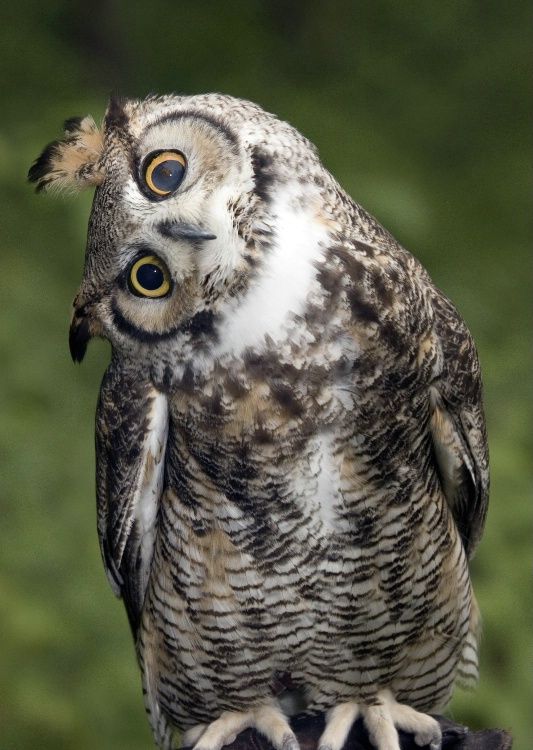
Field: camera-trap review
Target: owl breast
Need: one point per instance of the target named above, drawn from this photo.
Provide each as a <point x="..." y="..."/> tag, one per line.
<point x="278" y="553"/>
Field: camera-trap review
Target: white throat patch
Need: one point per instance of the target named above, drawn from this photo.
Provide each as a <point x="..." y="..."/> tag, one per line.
<point x="283" y="284"/>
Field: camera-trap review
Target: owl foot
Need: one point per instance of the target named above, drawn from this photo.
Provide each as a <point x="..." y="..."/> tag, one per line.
<point x="268" y="720"/>
<point x="382" y="719"/>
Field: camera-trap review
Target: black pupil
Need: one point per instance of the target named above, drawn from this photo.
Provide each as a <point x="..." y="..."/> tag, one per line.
<point x="150" y="277"/>
<point x="168" y="175"/>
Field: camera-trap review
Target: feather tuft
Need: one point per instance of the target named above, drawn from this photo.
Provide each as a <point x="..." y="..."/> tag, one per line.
<point x="73" y="162"/>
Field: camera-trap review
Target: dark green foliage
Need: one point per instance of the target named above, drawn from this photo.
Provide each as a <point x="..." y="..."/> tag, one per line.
<point x="420" y="110"/>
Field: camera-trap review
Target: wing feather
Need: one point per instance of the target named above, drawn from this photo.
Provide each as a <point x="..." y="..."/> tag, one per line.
<point x="458" y="425"/>
<point x="131" y="434"/>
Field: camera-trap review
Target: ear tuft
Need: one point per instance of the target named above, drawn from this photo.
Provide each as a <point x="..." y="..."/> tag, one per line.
<point x="72" y="162"/>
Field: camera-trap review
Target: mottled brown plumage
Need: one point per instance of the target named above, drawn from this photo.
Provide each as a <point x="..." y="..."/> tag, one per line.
<point x="291" y="451"/>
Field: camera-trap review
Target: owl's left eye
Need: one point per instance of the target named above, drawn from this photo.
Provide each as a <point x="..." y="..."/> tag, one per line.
<point x="163" y="172"/>
<point x="149" y="277"/>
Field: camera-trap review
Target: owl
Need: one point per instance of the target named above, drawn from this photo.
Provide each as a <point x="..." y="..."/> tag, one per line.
<point x="291" y="451"/>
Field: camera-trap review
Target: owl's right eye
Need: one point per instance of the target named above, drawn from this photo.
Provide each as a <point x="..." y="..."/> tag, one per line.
<point x="163" y="172"/>
<point x="149" y="278"/>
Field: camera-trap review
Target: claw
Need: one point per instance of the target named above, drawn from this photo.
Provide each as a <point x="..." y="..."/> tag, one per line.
<point x="382" y="721"/>
<point x="224" y="730"/>
<point x="338" y="725"/>
<point x="290" y="743"/>
<point x="190" y="737"/>
<point x="268" y="720"/>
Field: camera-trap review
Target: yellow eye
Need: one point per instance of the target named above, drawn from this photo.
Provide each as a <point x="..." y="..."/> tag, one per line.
<point x="149" y="277"/>
<point x="164" y="172"/>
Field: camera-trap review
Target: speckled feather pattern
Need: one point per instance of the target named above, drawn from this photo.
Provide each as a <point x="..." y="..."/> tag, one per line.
<point x="292" y="461"/>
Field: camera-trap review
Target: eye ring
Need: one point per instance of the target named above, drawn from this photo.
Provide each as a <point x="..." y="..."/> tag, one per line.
<point x="163" y="172"/>
<point x="149" y="277"/>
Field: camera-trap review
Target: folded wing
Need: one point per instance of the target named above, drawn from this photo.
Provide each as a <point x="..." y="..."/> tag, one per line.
<point x="458" y="426"/>
<point x="131" y="435"/>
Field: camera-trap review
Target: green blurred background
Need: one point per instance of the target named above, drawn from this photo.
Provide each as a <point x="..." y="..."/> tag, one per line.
<point x="421" y="111"/>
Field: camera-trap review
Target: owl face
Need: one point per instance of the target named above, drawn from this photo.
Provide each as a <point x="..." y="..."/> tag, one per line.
<point x="165" y="238"/>
<point x="204" y="217"/>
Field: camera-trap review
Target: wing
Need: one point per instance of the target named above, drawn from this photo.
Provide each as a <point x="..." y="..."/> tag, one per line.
<point x="131" y="435"/>
<point x="458" y="425"/>
<point x="416" y="356"/>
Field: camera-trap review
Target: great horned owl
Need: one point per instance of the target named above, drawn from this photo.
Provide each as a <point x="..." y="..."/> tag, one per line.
<point x="291" y="451"/>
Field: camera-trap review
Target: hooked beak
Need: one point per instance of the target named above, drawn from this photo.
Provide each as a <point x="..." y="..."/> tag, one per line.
<point x="79" y="334"/>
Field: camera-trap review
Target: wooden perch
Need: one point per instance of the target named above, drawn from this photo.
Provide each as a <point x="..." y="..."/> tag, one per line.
<point x="309" y="728"/>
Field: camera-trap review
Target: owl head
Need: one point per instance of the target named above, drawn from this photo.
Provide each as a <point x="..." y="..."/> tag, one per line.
<point x="199" y="200"/>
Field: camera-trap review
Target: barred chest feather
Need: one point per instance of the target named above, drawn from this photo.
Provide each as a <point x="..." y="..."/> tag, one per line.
<point x="303" y="529"/>
<point x="293" y="537"/>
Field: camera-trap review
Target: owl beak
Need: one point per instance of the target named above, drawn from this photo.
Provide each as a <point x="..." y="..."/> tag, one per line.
<point x="178" y="230"/>
<point x="79" y="336"/>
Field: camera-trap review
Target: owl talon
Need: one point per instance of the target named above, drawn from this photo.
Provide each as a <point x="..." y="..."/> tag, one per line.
<point x="382" y="721"/>
<point x="434" y="742"/>
<point x="338" y="725"/>
<point x="271" y="721"/>
<point x="289" y="742"/>
<point x="268" y="720"/>
<point x="224" y="730"/>
<point x="426" y="729"/>
<point x="191" y="736"/>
